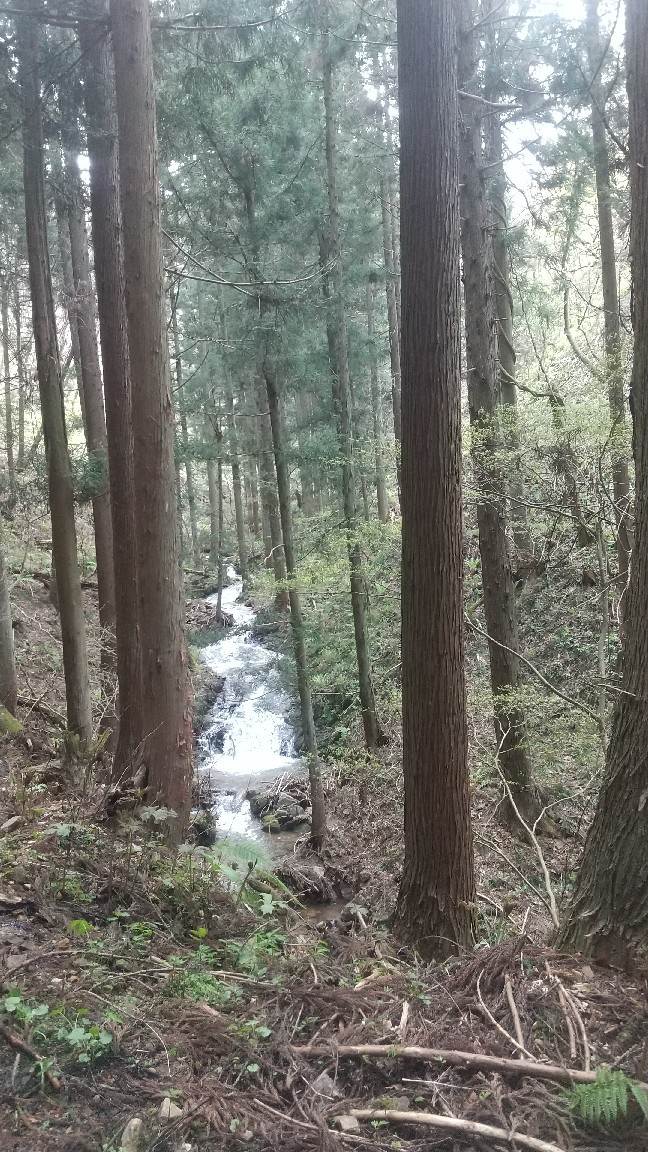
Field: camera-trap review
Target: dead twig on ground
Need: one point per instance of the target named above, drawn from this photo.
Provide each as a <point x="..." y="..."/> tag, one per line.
<point x="21" y="1045"/>
<point x="514" y="1012"/>
<point x="454" y="1124"/>
<point x="478" y="1060"/>
<point x="489" y="1016"/>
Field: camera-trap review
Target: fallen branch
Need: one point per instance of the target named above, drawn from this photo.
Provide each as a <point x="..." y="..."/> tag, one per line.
<point x="455" y="1125"/>
<point x="21" y="1045"/>
<point x="508" y="1067"/>
<point x="44" y="709"/>
<point x="491" y="1019"/>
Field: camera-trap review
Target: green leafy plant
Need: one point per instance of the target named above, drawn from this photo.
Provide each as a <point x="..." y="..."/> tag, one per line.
<point x="87" y="1041"/>
<point x="606" y="1100"/>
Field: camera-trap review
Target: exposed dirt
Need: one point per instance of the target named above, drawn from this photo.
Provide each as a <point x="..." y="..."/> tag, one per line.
<point x="199" y="978"/>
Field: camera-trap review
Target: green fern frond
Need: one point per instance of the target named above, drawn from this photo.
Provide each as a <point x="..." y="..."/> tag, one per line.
<point x="606" y="1100"/>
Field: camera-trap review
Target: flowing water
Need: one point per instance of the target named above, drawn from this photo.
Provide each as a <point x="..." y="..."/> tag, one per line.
<point x="248" y="738"/>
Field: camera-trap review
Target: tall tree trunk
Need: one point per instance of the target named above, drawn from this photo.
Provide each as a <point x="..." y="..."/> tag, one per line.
<point x="318" y="818"/>
<point x="376" y="412"/>
<point x="500" y="607"/>
<point x="234" y="454"/>
<point x="20" y="369"/>
<point x="613" y="365"/>
<point x="269" y="499"/>
<point x="184" y="437"/>
<point x="212" y="481"/>
<point x="165" y="681"/>
<point x="437" y="892"/>
<point x="608" y="913"/>
<point x="105" y="211"/>
<point x="61" y="489"/>
<point x="392" y="321"/>
<point x="221" y="558"/>
<point x="8" y="680"/>
<point x="508" y="395"/>
<point x="66" y="276"/>
<point x="93" y="409"/>
<point x="254" y="494"/>
<point x="340" y="366"/>
<point x="9" y="435"/>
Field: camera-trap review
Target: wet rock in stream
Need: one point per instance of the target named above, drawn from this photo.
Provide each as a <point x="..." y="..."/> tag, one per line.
<point x="280" y="808"/>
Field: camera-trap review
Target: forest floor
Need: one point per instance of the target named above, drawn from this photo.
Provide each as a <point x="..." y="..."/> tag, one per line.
<point x="216" y="1002"/>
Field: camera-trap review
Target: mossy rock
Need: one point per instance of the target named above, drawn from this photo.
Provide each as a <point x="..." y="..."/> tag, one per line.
<point x="9" y="725"/>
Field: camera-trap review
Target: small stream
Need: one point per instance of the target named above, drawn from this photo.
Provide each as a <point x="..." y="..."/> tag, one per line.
<point x="248" y="738"/>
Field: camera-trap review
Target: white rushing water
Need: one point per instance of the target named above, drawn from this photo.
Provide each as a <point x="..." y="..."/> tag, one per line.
<point x="248" y="738"/>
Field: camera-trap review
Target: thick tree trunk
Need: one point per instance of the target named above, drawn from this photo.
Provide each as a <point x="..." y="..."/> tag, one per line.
<point x="500" y="607"/>
<point x="113" y="331"/>
<point x="318" y="818"/>
<point x="435" y="909"/>
<point x="613" y="365"/>
<point x="93" y="409"/>
<point x="608" y="914"/>
<point x="376" y="412"/>
<point x="61" y="490"/>
<point x="184" y="437"/>
<point x="165" y="682"/>
<point x="254" y="497"/>
<point x="342" y="392"/>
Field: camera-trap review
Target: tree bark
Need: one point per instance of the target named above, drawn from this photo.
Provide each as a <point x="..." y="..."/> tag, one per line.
<point x="613" y="364"/>
<point x="234" y="454"/>
<point x="113" y="332"/>
<point x="318" y="818"/>
<point x="93" y="408"/>
<point x="9" y="435"/>
<point x="184" y="437"/>
<point x="20" y="369"/>
<point x="608" y="913"/>
<point x="500" y="607"/>
<point x="165" y="682"/>
<point x="61" y="489"/>
<point x="376" y="412"/>
<point x="435" y="908"/>
<point x="342" y="391"/>
<point x="508" y="395"/>
<point x="8" y="680"/>
<point x="392" y="321"/>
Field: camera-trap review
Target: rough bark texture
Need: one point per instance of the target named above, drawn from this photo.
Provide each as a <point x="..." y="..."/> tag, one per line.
<point x="111" y="300"/>
<point x="376" y="413"/>
<point x="318" y="818"/>
<point x="500" y="607"/>
<point x="93" y="406"/>
<point x="165" y="681"/>
<point x="342" y="393"/>
<point x="608" y="916"/>
<point x="61" y="490"/>
<point x="435" y="909"/>
<point x="613" y="365"/>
